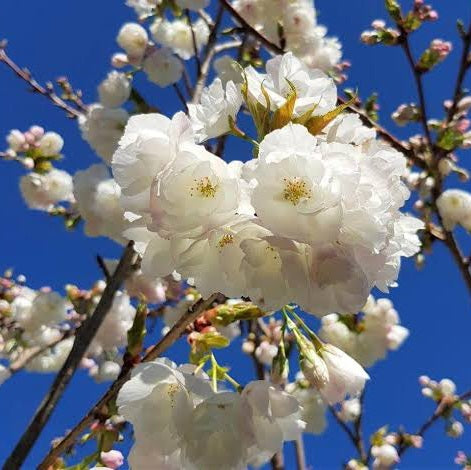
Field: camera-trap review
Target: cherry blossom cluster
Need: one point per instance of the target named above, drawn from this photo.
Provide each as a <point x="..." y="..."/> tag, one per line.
<point x="180" y="421"/>
<point x="304" y="222"/>
<point x="444" y="393"/>
<point x="295" y="23"/>
<point x="366" y="336"/>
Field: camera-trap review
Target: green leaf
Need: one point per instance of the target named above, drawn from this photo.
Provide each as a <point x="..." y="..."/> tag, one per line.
<point x="317" y="123"/>
<point x="137" y="332"/>
<point x="284" y="113"/>
<point x="411" y="22"/>
<point x="394" y="10"/>
<point x="450" y="139"/>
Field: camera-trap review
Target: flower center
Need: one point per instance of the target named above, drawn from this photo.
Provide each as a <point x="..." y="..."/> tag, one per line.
<point x="225" y="240"/>
<point x="295" y="189"/>
<point x="204" y="187"/>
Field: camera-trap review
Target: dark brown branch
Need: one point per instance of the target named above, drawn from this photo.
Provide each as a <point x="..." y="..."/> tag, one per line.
<point x="176" y="331"/>
<point x="48" y="92"/>
<point x="419" y="85"/>
<point x="464" y="66"/>
<point x="83" y="337"/>
<point x="195" y="44"/>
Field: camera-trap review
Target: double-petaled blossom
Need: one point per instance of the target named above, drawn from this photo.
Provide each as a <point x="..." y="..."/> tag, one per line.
<point x="366" y="336"/>
<point x="102" y="128"/>
<point x="178" y="35"/>
<point x="191" y="426"/>
<point x="218" y="103"/>
<point x="313" y="220"/>
<point x="43" y="191"/>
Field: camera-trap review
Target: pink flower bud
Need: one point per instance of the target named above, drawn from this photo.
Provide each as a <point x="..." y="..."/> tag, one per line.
<point x="112" y="459"/>
<point x="37" y="131"/>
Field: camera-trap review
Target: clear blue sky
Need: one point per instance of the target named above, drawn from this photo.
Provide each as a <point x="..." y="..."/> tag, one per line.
<point x="77" y="38"/>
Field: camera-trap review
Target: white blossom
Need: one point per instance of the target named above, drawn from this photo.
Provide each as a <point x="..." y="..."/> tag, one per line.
<point x="265" y="352"/>
<point x="113" y="331"/>
<point x="177" y="35"/>
<point x="15" y="140"/>
<point x="159" y="400"/>
<point x="162" y="67"/>
<point x="385" y="456"/>
<point x="52" y="359"/>
<point x="102" y="128"/>
<point x="31" y="310"/>
<point x="132" y="37"/>
<point x="228" y="69"/>
<point x="193" y="194"/>
<point x="149" y="143"/>
<point x="275" y="417"/>
<point x="105" y="371"/>
<point x="313" y="407"/>
<point x="454" y="206"/>
<point x="218" y="434"/>
<point x="114" y="90"/>
<point x="143" y="7"/>
<point x="98" y="202"/>
<point x="315" y="90"/>
<point x="210" y="118"/>
<point x="50" y="144"/>
<point x="350" y="410"/>
<point x="42" y="191"/>
<point x="372" y="333"/>
<point x="334" y="373"/>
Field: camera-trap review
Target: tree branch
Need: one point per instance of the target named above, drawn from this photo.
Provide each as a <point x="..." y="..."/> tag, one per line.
<point x="440" y="410"/>
<point x="83" y="337"/>
<point x="168" y="340"/>
<point x="48" y="92"/>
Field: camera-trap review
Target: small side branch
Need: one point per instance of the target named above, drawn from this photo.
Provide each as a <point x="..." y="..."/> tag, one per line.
<point x="47" y="91"/>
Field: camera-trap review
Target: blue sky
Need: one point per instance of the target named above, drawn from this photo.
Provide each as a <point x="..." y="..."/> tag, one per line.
<point x="77" y="39"/>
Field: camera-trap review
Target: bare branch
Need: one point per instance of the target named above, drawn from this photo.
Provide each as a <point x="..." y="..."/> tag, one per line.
<point x="175" y="332"/>
<point x="441" y="409"/>
<point x="83" y="337"/>
<point x="48" y="92"/>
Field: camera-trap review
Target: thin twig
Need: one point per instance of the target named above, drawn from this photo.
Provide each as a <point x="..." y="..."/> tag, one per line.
<point x="464" y="67"/>
<point x="49" y="93"/>
<point x="440" y="410"/>
<point x="180" y="96"/>
<point x="418" y="83"/>
<point x="209" y="53"/>
<point x="83" y="337"/>
<point x="300" y="453"/>
<point x="195" y="44"/>
<point x="168" y="340"/>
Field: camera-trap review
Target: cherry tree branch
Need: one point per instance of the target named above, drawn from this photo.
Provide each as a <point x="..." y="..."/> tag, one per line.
<point x="463" y="68"/>
<point x="155" y="351"/>
<point x="83" y="337"/>
<point x="404" y="42"/>
<point x="47" y="91"/>
<point x="441" y="409"/>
